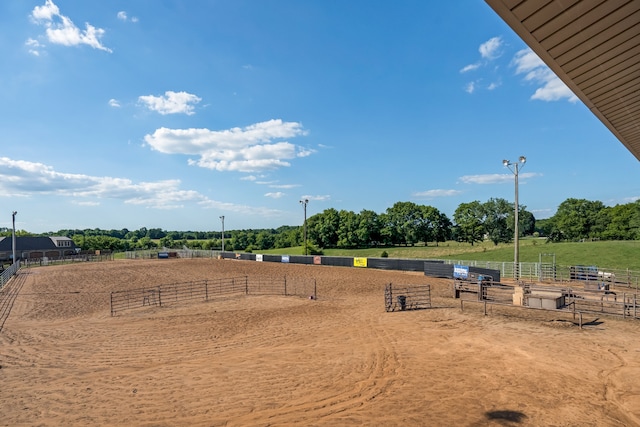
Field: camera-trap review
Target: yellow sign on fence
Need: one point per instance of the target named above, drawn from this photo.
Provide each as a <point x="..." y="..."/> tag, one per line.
<point x="359" y="262"/>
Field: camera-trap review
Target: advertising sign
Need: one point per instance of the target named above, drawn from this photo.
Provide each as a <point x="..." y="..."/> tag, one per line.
<point x="359" y="262"/>
<point x="460" y="271"/>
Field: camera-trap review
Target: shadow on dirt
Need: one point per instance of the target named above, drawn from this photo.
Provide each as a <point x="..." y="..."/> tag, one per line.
<point x="506" y="417"/>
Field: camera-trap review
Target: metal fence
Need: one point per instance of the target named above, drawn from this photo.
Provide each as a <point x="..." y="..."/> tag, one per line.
<point x="9" y="273"/>
<point x="407" y="297"/>
<point x="534" y="271"/>
<point x="207" y="290"/>
<point x="39" y="262"/>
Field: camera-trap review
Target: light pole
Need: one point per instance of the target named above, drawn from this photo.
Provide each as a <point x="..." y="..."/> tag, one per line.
<point x="304" y="205"/>
<point x="222" y="218"/>
<point x="13" y="239"/>
<point x="515" y="168"/>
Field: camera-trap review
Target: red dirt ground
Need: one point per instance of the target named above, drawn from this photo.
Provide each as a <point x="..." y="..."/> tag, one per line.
<point x="273" y="360"/>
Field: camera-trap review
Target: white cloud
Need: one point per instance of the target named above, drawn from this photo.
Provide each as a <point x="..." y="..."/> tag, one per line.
<point x="275" y="195"/>
<point x="496" y="178"/>
<point x="248" y="149"/>
<point x="61" y="30"/>
<point x="316" y="198"/>
<point x="114" y="103"/>
<point x="491" y="49"/>
<point x="122" y="15"/>
<point x="25" y="179"/>
<point x="470" y="87"/>
<point x="34" y="46"/>
<point x="81" y="203"/>
<point x="284" y="186"/>
<point x="493" y="178"/>
<point x="437" y="193"/>
<point x="249" y="178"/>
<point x="470" y="67"/>
<point x="18" y="176"/>
<point x="171" y="102"/>
<point x="535" y="71"/>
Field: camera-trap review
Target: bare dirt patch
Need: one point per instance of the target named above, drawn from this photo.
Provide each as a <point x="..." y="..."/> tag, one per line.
<point x="275" y="360"/>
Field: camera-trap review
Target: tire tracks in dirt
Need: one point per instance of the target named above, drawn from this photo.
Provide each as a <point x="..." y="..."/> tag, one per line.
<point x="381" y="366"/>
<point x="610" y="389"/>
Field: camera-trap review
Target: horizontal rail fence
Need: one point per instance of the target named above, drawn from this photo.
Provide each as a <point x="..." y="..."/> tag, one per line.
<point x="207" y="290"/>
<point x="601" y="299"/>
<point x="9" y="273"/>
<point x="39" y="262"/>
<point x="609" y="302"/>
<point x="407" y="297"/>
<point x="8" y="295"/>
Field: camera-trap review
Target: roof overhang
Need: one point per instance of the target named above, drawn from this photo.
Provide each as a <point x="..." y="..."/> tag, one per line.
<point x="593" y="46"/>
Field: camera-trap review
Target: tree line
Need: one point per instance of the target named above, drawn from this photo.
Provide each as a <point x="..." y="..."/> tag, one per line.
<point x="403" y="224"/>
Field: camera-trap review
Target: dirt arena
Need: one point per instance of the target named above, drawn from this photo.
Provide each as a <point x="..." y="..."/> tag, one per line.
<point x="339" y="360"/>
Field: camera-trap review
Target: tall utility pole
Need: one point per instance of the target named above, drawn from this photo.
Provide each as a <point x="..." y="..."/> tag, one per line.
<point x="304" y="205"/>
<point x="13" y="239"/>
<point x="515" y="168"/>
<point x="222" y="218"/>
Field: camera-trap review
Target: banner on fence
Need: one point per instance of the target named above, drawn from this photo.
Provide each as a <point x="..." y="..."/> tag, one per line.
<point x="359" y="262"/>
<point x="460" y="271"/>
<point x="317" y="260"/>
<point x="285" y="258"/>
<point x="259" y="257"/>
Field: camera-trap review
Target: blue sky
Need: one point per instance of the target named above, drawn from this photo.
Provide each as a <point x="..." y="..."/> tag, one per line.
<point x="169" y="114"/>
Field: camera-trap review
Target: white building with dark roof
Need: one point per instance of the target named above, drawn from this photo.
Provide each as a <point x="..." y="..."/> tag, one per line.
<point x="37" y="247"/>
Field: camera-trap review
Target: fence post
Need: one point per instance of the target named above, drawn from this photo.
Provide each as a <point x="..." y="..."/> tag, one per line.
<point x="580" y="320"/>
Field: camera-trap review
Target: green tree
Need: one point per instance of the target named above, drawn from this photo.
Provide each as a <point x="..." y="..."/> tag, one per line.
<point x="368" y="232"/>
<point x="348" y="230"/>
<point x="442" y="231"/>
<point x="621" y="219"/>
<point x="575" y="218"/>
<point x="404" y="223"/>
<point x="469" y="222"/>
<point x="322" y="228"/>
<point x="264" y="240"/>
<point x="496" y="212"/>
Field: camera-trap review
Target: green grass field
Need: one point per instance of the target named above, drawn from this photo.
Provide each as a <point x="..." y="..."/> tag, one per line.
<point x="604" y="254"/>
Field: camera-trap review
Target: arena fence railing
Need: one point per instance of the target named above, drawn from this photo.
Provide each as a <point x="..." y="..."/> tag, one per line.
<point x="208" y="290"/>
<point x="407" y="297"/>
<point x="8" y="273"/>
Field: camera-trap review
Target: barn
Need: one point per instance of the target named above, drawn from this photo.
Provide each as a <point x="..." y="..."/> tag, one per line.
<point x="37" y="247"/>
